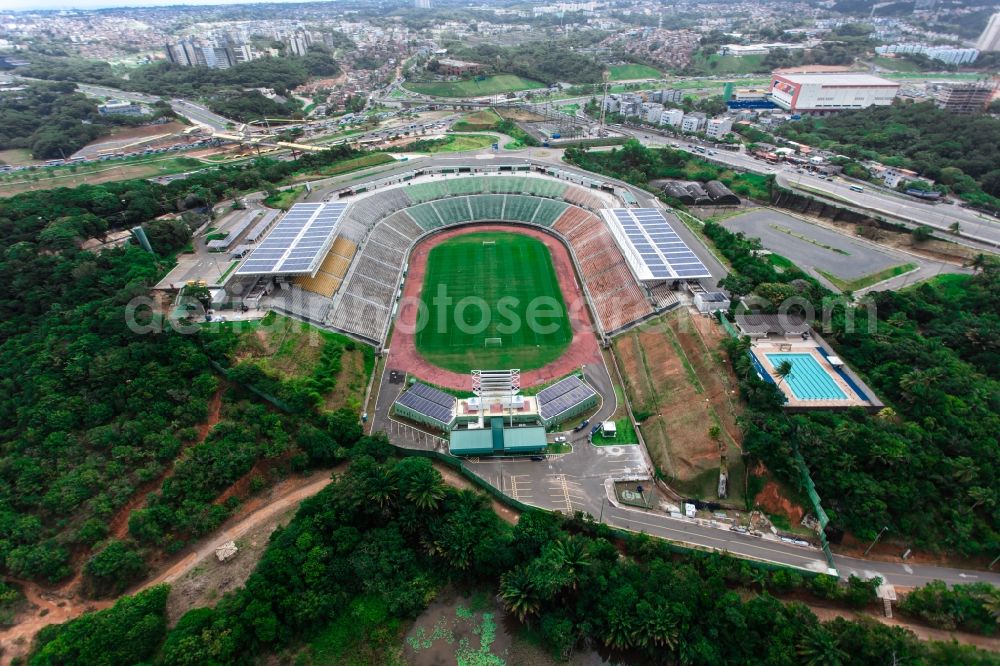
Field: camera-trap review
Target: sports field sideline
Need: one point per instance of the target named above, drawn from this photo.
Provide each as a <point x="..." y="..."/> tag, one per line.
<point x="491" y="282"/>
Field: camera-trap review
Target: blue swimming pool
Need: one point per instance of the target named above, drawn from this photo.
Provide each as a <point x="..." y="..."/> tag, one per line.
<point x="809" y="380"/>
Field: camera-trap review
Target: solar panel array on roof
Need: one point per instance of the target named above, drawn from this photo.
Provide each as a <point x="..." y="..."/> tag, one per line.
<point x="664" y="255"/>
<point x="429" y="401"/>
<point x="562" y="396"/>
<point x="298" y="241"/>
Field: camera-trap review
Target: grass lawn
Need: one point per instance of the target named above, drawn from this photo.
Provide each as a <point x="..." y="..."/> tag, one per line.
<point x="952" y="286"/>
<point x="363" y="162"/>
<point x="866" y="280"/>
<point x="491" y="85"/>
<point x="490" y="290"/>
<point x="453" y="143"/>
<point x="626" y="435"/>
<point x="717" y="64"/>
<point x="284" y="199"/>
<point x="477" y="121"/>
<point x="896" y="64"/>
<point x="17" y="157"/>
<point x="627" y="72"/>
<point x="98" y="172"/>
<point x="290" y="351"/>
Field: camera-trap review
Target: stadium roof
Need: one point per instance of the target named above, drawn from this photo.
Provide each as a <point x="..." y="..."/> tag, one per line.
<point x="298" y="242"/>
<point x="562" y="396"/>
<point x="429" y="401"/>
<point x="652" y="247"/>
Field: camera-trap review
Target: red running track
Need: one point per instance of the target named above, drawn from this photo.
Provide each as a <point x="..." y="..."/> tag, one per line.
<point x="583" y="349"/>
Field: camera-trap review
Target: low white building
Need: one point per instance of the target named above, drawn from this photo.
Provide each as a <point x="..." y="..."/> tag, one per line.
<point x="651" y="112"/>
<point x="693" y="122"/>
<point x="672" y="117"/>
<point x="717" y="128"/>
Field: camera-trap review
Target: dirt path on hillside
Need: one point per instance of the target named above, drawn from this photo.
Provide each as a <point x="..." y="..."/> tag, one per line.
<point x="923" y="633"/>
<point x="118" y="527"/>
<point x="63" y="604"/>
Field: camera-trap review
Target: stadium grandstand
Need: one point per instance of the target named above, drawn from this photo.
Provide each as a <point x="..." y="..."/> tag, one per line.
<point x="348" y="255"/>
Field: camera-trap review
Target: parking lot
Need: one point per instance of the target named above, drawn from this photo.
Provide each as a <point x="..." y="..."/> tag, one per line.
<point x="813" y="247"/>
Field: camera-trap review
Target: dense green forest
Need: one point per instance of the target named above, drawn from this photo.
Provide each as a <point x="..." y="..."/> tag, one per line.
<point x="962" y="154"/>
<point x="90" y="409"/>
<point x="547" y="62"/>
<point x="927" y="466"/>
<point x="375" y="547"/>
<point x="224" y="90"/>
<point x="52" y="120"/>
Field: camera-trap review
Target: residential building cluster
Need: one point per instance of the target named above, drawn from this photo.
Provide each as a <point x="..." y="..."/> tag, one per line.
<point x="652" y="108"/>
<point x="946" y="54"/>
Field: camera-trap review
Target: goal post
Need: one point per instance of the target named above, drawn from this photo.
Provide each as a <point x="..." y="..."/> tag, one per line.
<point x="489" y="243"/>
<point x="493" y="343"/>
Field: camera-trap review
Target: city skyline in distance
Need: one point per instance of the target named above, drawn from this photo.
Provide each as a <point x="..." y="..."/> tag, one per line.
<point x="90" y="5"/>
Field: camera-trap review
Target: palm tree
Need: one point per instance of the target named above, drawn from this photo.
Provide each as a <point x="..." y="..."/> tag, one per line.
<point x="991" y="602"/>
<point x="571" y="556"/>
<point x="660" y="629"/>
<point x="517" y="593"/>
<point x="382" y="487"/>
<point x="819" y="648"/>
<point x="620" y="634"/>
<point x="784" y="370"/>
<point x="426" y="491"/>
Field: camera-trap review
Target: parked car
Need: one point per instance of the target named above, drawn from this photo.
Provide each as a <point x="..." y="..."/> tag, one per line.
<point x="559" y="439"/>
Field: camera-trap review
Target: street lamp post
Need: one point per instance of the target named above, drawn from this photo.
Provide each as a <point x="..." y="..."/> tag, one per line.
<point x="879" y="536"/>
<point x="604" y="499"/>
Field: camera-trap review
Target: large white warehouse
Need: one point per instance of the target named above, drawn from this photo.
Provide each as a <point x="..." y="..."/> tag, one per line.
<point x="820" y="93"/>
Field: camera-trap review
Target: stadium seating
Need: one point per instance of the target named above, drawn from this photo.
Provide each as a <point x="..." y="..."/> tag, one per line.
<point x="454" y="210"/>
<point x="367" y="293"/>
<point x="543" y="187"/>
<point x="506" y="184"/>
<point x="378" y="249"/>
<point x="570" y="219"/>
<point x="486" y="206"/>
<point x="331" y="272"/>
<point x="519" y="208"/>
<point x="343" y="247"/>
<point x="356" y="315"/>
<point x="581" y="197"/>
<point x="403" y="224"/>
<point x="470" y="185"/>
<point x="426" y="216"/>
<point x="421" y="192"/>
<point x="548" y="211"/>
<point x="371" y="268"/>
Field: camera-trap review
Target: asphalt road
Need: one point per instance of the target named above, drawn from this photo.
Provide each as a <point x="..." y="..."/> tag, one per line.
<point x="195" y="112"/>
<point x="977" y="227"/>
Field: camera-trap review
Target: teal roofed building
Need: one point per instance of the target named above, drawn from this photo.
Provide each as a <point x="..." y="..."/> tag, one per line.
<point x="498" y="440"/>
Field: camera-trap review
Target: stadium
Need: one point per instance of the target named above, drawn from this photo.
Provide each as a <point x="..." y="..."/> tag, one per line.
<point x="448" y="270"/>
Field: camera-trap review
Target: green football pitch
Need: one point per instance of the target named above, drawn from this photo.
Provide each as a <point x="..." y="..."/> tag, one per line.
<point x="492" y="301"/>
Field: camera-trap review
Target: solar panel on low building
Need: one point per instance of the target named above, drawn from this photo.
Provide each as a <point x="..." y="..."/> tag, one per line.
<point x="430" y="402"/>
<point x="562" y="397"/>
<point x="651" y="245"/>
<point x="298" y="241"/>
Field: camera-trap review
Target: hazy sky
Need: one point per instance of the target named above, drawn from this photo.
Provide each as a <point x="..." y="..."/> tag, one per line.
<point x="100" y="4"/>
